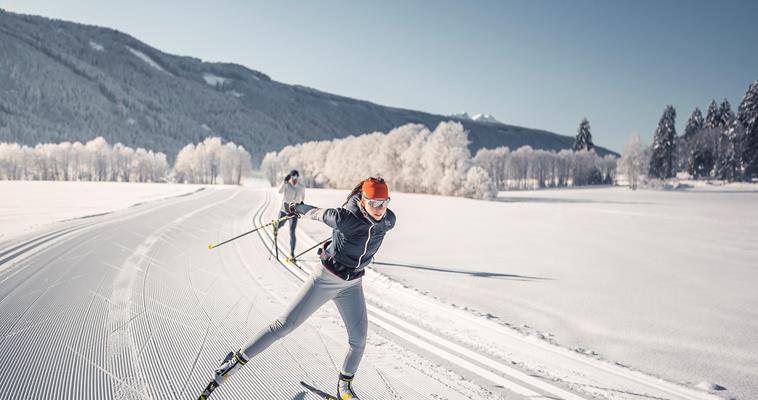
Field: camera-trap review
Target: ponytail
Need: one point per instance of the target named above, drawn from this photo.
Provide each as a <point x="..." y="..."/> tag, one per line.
<point x="356" y="190"/>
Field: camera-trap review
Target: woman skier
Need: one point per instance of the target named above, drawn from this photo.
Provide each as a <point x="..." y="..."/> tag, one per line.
<point x="292" y="192"/>
<point x="359" y="227"/>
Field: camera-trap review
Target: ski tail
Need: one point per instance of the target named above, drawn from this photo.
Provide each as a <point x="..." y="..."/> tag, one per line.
<point x="318" y="392"/>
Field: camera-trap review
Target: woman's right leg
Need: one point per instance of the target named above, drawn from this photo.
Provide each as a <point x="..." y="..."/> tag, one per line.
<point x="317" y="290"/>
<point x="313" y="294"/>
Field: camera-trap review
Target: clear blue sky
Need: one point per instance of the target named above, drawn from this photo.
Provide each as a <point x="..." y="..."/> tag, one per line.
<point x="540" y="64"/>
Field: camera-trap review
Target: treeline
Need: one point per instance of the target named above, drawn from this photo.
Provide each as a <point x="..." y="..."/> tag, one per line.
<point x="208" y="162"/>
<point x="723" y="145"/>
<point x="416" y="160"/>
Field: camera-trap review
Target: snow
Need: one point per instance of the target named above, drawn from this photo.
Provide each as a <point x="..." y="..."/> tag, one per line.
<point x="660" y="281"/>
<point x="214" y="80"/>
<point x="27" y="205"/>
<point x="714" y="186"/>
<point x="485" y="118"/>
<point x="481" y="117"/>
<point x="144" y="57"/>
<point x="235" y="93"/>
<point x="96" y="46"/>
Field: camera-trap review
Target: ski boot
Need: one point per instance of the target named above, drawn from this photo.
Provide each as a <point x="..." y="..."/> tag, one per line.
<point x="345" y="389"/>
<point x="232" y="362"/>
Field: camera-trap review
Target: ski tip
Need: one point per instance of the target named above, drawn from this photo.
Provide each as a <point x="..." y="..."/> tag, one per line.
<point x="210" y="247"/>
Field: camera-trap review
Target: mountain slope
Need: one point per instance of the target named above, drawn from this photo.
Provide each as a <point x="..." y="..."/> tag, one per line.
<point x="65" y="81"/>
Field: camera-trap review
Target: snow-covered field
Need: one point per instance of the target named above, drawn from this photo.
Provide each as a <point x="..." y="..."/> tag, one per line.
<point x="27" y="205"/>
<point x="659" y="281"/>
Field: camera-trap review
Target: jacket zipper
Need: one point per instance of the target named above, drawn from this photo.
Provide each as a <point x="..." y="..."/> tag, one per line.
<point x="365" y="247"/>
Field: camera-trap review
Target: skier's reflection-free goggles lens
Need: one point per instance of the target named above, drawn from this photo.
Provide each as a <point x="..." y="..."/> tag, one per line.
<point x="378" y="203"/>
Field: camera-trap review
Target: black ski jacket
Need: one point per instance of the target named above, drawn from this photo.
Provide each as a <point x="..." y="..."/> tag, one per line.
<point x="356" y="236"/>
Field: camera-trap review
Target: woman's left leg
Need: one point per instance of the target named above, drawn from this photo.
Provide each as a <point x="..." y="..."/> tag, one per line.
<point x="352" y="307"/>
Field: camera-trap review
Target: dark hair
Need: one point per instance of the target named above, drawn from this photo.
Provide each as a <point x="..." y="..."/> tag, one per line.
<point x="294" y="173"/>
<point x="358" y="189"/>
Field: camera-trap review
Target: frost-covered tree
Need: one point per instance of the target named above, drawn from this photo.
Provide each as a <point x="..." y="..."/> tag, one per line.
<point x="184" y="165"/>
<point x="632" y="163"/>
<point x="412" y="165"/>
<point x="583" y="139"/>
<point x="661" y="160"/>
<point x="96" y="160"/>
<point x="493" y="161"/>
<point x="418" y="160"/>
<point x="209" y="160"/>
<point x="436" y="162"/>
<point x="478" y="184"/>
<point x="392" y="147"/>
<point x="98" y="152"/>
<point x="446" y="158"/>
<point x="747" y="114"/>
<point x="235" y="162"/>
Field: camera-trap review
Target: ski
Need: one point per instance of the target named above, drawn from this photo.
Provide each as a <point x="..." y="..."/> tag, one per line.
<point x="208" y="390"/>
<point x="317" y="392"/>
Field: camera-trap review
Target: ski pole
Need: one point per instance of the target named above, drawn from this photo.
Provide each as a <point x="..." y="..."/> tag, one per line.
<point x="276" y="241"/>
<point x="213" y="246"/>
<point x="289" y="259"/>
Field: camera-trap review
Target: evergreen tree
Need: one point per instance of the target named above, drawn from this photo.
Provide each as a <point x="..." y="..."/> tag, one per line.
<point x="583" y="139"/>
<point x="726" y="163"/>
<point x="684" y="144"/>
<point x="662" y="158"/>
<point x="726" y="115"/>
<point x="712" y="119"/>
<point x="747" y="114"/>
<point x="694" y="124"/>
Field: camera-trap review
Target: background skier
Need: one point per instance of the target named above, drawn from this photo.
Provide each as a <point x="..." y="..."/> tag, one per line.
<point x="293" y="192"/>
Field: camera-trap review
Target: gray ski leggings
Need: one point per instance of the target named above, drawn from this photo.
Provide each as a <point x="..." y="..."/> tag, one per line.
<point x="319" y="288"/>
<point x="293" y="227"/>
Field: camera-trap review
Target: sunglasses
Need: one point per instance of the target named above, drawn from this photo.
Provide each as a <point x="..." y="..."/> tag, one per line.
<point x="378" y="203"/>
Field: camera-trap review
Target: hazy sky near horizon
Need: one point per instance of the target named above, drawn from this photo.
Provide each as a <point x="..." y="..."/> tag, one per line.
<point x="540" y="64"/>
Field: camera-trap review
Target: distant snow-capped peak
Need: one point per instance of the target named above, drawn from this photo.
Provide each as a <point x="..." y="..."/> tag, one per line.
<point x="477" y="117"/>
<point x="485" y="118"/>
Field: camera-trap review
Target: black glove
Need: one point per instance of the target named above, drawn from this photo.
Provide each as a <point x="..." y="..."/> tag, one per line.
<point x="291" y="209"/>
<point x="287" y="178"/>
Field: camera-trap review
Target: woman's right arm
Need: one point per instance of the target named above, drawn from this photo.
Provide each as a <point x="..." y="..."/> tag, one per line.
<point x="329" y="216"/>
<point x="281" y="188"/>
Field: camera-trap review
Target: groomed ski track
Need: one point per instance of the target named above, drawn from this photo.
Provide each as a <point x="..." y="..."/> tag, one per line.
<point x="132" y="305"/>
